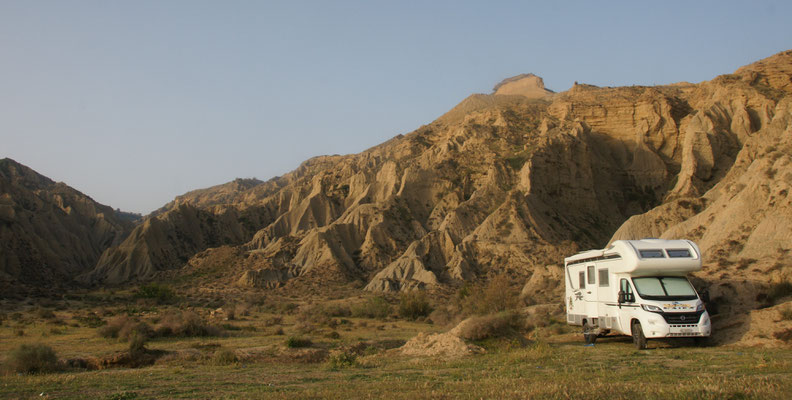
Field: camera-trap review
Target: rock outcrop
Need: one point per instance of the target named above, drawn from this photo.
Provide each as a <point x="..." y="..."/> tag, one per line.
<point x="49" y="232"/>
<point x="526" y="85"/>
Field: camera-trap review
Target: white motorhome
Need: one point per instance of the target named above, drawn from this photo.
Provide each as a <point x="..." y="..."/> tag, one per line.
<point x="636" y="288"/>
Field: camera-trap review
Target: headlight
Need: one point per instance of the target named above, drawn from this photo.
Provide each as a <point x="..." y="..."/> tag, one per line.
<point x="651" y="308"/>
<point x="700" y="307"/>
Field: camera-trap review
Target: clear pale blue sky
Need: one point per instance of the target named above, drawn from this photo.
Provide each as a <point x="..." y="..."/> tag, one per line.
<point x="136" y="102"/>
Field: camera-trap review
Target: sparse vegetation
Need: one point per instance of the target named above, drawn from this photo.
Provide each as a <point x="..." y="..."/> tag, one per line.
<point x="373" y="307"/>
<point x="161" y="294"/>
<point x="498" y="295"/>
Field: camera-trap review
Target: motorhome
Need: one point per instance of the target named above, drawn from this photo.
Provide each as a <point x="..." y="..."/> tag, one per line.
<point x="637" y="288"/>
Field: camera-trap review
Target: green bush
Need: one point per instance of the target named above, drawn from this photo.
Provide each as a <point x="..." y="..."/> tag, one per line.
<point x="344" y="359"/>
<point x="161" y="293"/>
<point x="33" y="358"/>
<point x="414" y="305"/>
<point x="294" y="342"/>
<point x="374" y="307"/>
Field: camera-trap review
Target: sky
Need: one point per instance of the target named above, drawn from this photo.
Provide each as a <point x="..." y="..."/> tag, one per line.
<point x="136" y="102"/>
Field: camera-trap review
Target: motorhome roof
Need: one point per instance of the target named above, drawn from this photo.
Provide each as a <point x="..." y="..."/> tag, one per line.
<point x="646" y="256"/>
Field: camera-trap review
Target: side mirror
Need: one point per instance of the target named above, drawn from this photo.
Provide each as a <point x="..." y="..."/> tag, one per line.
<point x="630" y="298"/>
<point x="622" y="296"/>
<point x="705" y="296"/>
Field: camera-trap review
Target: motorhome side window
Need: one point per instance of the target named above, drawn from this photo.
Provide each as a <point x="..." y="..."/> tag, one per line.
<point x="678" y="253"/>
<point x="582" y="279"/>
<point x="591" y="278"/>
<point x="603" y="277"/>
<point x="651" y="253"/>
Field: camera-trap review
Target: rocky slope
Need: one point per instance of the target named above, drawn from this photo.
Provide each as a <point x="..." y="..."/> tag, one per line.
<point x="49" y="232"/>
<point x="509" y="183"/>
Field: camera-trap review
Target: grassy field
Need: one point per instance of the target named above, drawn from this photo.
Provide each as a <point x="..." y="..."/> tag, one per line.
<point x="553" y="363"/>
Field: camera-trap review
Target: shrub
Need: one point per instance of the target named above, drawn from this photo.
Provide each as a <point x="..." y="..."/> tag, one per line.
<point x="160" y="293"/>
<point x="343" y="359"/>
<point x="185" y="324"/>
<point x="490" y="326"/>
<point x="294" y="342"/>
<point x="137" y="343"/>
<point x="113" y="327"/>
<point x="498" y="295"/>
<point x="224" y="357"/>
<point x="374" y="307"/>
<point x="123" y="327"/>
<point x="414" y="305"/>
<point x="33" y="358"/>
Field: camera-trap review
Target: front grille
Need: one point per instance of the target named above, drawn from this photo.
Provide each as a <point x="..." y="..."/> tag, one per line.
<point x="683" y="318"/>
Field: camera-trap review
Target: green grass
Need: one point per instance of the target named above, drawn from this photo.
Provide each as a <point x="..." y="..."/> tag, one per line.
<point x="552" y="366"/>
<point x="611" y="370"/>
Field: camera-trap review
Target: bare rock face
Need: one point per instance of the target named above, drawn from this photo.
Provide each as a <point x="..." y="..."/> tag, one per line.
<point x="49" y="232"/>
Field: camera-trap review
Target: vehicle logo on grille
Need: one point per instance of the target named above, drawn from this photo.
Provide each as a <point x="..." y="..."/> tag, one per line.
<point x="681" y="317"/>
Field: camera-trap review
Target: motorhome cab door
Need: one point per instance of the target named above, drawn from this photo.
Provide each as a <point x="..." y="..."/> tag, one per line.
<point x="590" y="295"/>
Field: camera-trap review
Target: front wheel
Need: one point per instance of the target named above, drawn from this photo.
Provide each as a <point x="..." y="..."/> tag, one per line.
<point x="639" y="340"/>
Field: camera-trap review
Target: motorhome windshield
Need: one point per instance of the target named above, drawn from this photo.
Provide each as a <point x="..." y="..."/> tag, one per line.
<point x="664" y="288"/>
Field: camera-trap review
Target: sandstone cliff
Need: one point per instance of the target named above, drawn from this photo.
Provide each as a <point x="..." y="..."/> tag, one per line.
<point x="49" y="232"/>
<point x="509" y="183"/>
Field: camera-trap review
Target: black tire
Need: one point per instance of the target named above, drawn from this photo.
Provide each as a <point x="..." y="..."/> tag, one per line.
<point x="639" y="340"/>
<point x="588" y="333"/>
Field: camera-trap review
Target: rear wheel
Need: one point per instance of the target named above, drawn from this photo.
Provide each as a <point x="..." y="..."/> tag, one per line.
<point x="639" y="340"/>
<point x="589" y="336"/>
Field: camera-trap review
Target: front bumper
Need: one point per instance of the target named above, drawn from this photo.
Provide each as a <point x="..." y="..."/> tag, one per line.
<point x="656" y="326"/>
